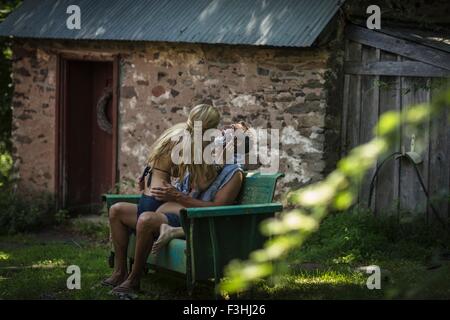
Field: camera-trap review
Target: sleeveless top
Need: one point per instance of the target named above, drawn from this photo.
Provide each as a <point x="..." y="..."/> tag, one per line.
<point x="209" y="194"/>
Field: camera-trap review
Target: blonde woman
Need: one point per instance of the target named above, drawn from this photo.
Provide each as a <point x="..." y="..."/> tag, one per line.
<point x="223" y="191"/>
<point x="143" y="217"/>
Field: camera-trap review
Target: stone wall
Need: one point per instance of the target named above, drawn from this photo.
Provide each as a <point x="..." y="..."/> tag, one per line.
<point x="33" y="127"/>
<point x="160" y="82"/>
<point x="268" y="88"/>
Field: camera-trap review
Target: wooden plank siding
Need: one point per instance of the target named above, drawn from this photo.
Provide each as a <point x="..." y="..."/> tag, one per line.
<point x="353" y="97"/>
<point x="387" y="184"/>
<point x="439" y="159"/>
<point x="345" y="102"/>
<point x="369" y="112"/>
<point x="395" y="68"/>
<point x="412" y="197"/>
<point x="399" y="46"/>
<point x="379" y="78"/>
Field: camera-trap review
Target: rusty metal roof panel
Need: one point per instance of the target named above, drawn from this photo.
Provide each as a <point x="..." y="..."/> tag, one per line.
<point x="294" y="23"/>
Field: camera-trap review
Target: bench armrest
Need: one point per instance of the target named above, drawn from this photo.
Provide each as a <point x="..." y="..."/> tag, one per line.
<point x="111" y="199"/>
<point x="120" y="196"/>
<point x="233" y="210"/>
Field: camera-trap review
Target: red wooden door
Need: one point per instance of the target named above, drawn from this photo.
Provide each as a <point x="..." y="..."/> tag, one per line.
<point x="88" y="148"/>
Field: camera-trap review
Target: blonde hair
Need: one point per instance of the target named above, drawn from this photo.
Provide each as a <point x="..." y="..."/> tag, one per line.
<point x="210" y="118"/>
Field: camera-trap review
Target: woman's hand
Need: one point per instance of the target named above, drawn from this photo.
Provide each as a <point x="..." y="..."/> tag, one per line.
<point x="167" y="193"/>
<point x="141" y="184"/>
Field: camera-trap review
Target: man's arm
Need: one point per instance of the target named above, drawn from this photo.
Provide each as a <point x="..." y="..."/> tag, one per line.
<point x="225" y="196"/>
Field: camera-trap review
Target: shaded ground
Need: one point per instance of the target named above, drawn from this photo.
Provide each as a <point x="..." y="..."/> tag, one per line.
<point x="34" y="267"/>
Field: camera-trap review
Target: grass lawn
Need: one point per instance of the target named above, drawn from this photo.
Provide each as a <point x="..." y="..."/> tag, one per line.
<point x="34" y="266"/>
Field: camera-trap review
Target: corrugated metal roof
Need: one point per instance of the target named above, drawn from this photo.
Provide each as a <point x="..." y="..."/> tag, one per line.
<point x="294" y="23"/>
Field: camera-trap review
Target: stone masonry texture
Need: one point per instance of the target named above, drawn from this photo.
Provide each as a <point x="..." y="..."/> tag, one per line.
<point x="159" y="83"/>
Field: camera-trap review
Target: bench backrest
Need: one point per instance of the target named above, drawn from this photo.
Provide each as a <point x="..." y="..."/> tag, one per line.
<point x="258" y="188"/>
<point x="214" y="241"/>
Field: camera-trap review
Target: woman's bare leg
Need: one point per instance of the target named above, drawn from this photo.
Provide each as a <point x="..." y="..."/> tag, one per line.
<point x="166" y="232"/>
<point x="122" y="217"/>
<point x="147" y="228"/>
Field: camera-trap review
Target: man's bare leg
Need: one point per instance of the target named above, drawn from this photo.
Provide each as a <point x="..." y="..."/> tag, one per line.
<point x="147" y="228"/>
<point x="166" y="233"/>
<point x="122" y="216"/>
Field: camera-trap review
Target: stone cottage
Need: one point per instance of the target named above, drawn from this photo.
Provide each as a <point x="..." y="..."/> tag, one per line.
<point x="89" y="102"/>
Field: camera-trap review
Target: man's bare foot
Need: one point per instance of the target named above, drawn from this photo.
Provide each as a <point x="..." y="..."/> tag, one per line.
<point x="115" y="279"/>
<point x="166" y="233"/>
<point x="127" y="287"/>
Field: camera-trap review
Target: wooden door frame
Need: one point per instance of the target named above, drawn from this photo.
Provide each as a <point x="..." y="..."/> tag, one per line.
<point x="60" y="156"/>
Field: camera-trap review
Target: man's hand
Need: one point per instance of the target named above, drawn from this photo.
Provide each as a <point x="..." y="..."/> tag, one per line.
<point x="167" y="193"/>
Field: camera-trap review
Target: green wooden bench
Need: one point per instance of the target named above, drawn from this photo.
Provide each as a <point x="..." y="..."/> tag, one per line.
<point x="214" y="235"/>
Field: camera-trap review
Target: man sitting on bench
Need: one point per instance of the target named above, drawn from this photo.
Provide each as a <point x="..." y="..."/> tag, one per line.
<point x="223" y="191"/>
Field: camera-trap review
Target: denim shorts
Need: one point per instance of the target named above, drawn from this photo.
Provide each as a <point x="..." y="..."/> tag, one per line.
<point x="173" y="219"/>
<point x="150" y="203"/>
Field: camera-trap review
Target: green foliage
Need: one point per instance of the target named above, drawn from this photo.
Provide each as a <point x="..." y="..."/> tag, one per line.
<point x="6" y="89"/>
<point x="19" y="214"/>
<point x="357" y="236"/>
<point x="16" y="214"/>
<point x="6" y="164"/>
<point x="123" y="184"/>
<point x="62" y="216"/>
<point x="344" y="239"/>
<point x="97" y="230"/>
<point x="337" y="192"/>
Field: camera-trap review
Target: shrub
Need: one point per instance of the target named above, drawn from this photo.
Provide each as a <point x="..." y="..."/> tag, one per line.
<point x="6" y="164"/>
<point x="6" y="88"/>
<point x="23" y="214"/>
<point x="96" y="230"/>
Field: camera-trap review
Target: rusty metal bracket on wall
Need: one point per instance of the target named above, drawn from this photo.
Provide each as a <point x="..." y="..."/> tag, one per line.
<point x="412" y="154"/>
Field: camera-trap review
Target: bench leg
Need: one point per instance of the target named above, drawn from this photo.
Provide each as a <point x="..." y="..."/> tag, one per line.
<point x="217" y="294"/>
<point x="190" y="285"/>
<point x="216" y="257"/>
<point x="190" y="288"/>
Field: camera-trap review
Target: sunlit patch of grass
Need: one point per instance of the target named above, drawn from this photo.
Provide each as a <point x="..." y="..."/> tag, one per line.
<point x="49" y="263"/>
<point x="4" y="256"/>
<point x="330" y="278"/>
<point x="318" y="284"/>
<point x="346" y="259"/>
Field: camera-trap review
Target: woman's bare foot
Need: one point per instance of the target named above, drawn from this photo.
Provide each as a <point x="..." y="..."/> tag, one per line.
<point x="115" y="279"/>
<point x="166" y="233"/>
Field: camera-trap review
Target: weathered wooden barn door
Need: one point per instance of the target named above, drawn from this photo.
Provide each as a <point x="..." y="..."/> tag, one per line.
<point x="382" y="73"/>
<point x="87" y="126"/>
